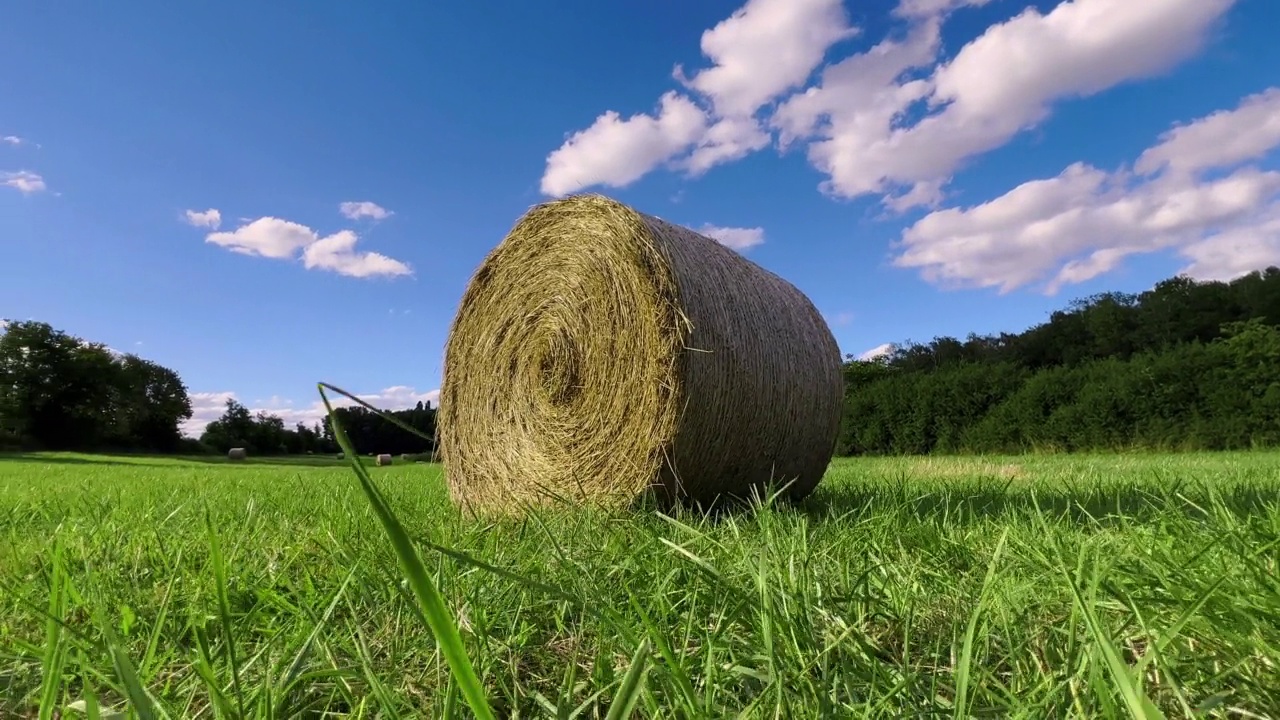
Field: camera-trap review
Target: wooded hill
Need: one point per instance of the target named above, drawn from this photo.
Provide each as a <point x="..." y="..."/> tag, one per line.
<point x="1185" y="365"/>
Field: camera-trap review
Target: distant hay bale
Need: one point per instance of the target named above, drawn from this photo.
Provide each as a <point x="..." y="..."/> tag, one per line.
<point x="236" y="454"/>
<point x="599" y="353"/>
<point x="342" y="456"/>
<point x="384" y="459"/>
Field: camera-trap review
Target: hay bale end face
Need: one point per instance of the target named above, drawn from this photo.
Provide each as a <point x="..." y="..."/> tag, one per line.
<point x="383" y="459"/>
<point x="600" y="353"/>
<point x="237" y="454"/>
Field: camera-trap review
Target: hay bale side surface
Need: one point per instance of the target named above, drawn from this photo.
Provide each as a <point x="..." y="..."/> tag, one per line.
<point x="237" y="454"/>
<point x="599" y="352"/>
<point x="383" y="459"/>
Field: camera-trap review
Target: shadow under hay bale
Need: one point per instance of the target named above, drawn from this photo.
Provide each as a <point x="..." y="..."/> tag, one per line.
<point x="600" y="353"/>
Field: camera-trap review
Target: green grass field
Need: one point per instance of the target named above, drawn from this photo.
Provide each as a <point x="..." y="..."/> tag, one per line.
<point x="1033" y="587"/>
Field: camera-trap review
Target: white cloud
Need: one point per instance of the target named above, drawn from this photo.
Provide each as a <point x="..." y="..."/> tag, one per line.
<point x="267" y="236"/>
<point x="893" y="120"/>
<point x="763" y="49"/>
<point x="24" y="181"/>
<point x="1219" y="140"/>
<point x="282" y="239"/>
<point x="209" y="406"/>
<point x="1003" y="82"/>
<point x="1084" y="222"/>
<point x="1238" y="251"/>
<point x="877" y="352"/>
<point x="736" y="238"/>
<point x="930" y="8"/>
<point x="727" y="140"/>
<point x="363" y="209"/>
<point x="210" y="218"/>
<point x="617" y="152"/>
<point x="337" y="253"/>
<point x="850" y="117"/>
<point x="13" y="140"/>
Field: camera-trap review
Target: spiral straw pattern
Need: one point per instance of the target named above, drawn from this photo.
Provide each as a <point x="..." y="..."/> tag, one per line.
<point x="600" y="353"/>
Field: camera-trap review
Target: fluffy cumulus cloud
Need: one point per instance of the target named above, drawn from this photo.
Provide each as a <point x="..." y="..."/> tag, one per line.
<point x="877" y="352"/>
<point x="762" y="50"/>
<point x="209" y="406"/>
<point x="1001" y="83"/>
<point x="337" y="252"/>
<point x="896" y="120"/>
<point x="1198" y="191"/>
<point x="286" y="240"/>
<point x="13" y="140"/>
<point x="617" y="151"/>
<point x="363" y="209"/>
<point x="738" y="239"/>
<point x="210" y="218"/>
<point x="24" y="181"/>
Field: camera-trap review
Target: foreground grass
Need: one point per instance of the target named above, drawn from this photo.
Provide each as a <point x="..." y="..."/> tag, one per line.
<point x="1104" y="586"/>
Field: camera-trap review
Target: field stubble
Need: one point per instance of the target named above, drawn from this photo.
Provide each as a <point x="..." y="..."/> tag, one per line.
<point x="1051" y="586"/>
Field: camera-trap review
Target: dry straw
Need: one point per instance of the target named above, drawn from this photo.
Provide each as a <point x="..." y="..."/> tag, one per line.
<point x="599" y="353"/>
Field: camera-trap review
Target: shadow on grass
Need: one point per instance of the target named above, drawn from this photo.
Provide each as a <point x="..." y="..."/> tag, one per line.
<point x="178" y="461"/>
<point x="1105" y="505"/>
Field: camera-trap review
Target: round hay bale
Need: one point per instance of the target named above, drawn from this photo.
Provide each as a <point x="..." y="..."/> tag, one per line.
<point x="237" y="454"/>
<point x="383" y="459"/>
<point x="600" y="353"/>
<point x="342" y="456"/>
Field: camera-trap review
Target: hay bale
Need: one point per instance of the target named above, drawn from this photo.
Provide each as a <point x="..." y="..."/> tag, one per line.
<point x="599" y="353"/>
<point x="384" y="459"/>
<point x="236" y="454"/>
<point x="342" y="456"/>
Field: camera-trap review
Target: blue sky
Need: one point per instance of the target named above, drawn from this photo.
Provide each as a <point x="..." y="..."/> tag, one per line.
<point x="917" y="167"/>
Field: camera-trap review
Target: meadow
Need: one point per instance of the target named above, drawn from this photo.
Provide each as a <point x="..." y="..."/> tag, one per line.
<point x="1047" y="586"/>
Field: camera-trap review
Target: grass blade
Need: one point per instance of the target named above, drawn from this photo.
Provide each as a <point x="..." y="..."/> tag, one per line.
<point x="632" y="684"/>
<point x="965" y="663"/>
<point x="439" y="619"/>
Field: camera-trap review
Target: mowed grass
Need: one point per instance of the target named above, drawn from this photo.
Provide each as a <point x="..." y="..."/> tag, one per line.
<point x="1033" y="587"/>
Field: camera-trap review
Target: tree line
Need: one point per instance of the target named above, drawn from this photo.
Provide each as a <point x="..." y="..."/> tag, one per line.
<point x="58" y="391"/>
<point x="61" y="392"/>
<point x="263" y="433"/>
<point x="1185" y="365"/>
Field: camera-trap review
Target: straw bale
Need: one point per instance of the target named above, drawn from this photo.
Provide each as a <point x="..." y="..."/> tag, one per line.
<point x="600" y="354"/>
<point x="236" y="454"/>
<point x="384" y="459"/>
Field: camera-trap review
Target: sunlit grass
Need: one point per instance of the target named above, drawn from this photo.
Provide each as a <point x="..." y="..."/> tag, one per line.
<point x="1054" y="586"/>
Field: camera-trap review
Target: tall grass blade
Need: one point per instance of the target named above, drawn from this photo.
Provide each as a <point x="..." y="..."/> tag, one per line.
<point x="965" y="664"/>
<point x="632" y="684"/>
<point x="224" y="608"/>
<point x="439" y="619"/>
<point x="54" y="657"/>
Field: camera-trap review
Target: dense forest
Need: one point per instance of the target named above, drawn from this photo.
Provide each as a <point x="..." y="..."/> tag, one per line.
<point x="1185" y="365"/>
